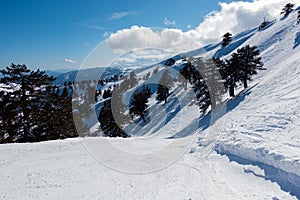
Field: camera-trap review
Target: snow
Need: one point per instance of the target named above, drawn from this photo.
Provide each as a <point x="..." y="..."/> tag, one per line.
<point x="248" y="149"/>
<point x="65" y="170"/>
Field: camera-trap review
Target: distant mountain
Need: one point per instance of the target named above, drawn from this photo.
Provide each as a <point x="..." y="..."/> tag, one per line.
<point x="87" y="74"/>
<point x="52" y="73"/>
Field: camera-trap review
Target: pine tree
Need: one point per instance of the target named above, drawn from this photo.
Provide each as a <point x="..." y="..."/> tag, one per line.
<point x="9" y="118"/>
<point x="232" y="73"/>
<point x="263" y="25"/>
<point x="227" y="38"/>
<point x="164" y="86"/>
<point x="170" y="62"/>
<point x="212" y="75"/>
<point x="107" y="122"/>
<point x="118" y="107"/>
<point x="185" y="74"/>
<point x="65" y="93"/>
<point x="199" y="84"/>
<point x="55" y="118"/>
<point x="132" y="80"/>
<point x="250" y="62"/>
<point x="287" y="9"/>
<point x="27" y="89"/>
<point x="107" y="94"/>
<point x="298" y="17"/>
<point x="139" y="101"/>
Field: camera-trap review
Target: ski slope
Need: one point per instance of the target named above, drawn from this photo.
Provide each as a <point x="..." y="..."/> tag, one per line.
<point x="255" y="152"/>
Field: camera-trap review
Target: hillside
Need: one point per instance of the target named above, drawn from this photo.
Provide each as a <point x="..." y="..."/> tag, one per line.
<point x="249" y="149"/>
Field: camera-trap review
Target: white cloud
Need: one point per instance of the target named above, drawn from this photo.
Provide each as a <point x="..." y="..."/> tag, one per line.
<point x="168" y="22"/>
<point x="91" y="26"/>
<point x="118" y="15"/>
<point x="238" y="16"/>
<point x="106" y="34"/>
<point x="232" y="17"/>
<point x="174" y="40"/>
<point x="66" y="60"/>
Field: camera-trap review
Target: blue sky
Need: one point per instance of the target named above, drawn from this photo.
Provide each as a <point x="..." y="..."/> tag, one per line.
<point x="44" y="33"/>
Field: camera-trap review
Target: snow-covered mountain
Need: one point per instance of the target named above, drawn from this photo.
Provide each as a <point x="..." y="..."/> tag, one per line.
<point x="249" y="149"/>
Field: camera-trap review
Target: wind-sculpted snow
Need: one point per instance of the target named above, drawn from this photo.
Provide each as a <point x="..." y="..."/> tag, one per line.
<point x="263" y="130"/>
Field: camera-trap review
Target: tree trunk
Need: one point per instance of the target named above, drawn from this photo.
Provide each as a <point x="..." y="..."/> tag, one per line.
<point x="245" y="83"/>
<point x="143" y="117"/>
<point x="231" y="90"/>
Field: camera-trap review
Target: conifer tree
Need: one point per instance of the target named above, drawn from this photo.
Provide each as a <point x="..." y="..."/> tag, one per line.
<point x="287" y="9"/>
<point x="27" y="89"/>
<point x="107" y="122"/>
<point x="139" y="101"/>
<point x="227" y="38"/>
<point x="232" y="73"/>
<point x="185" y="74"/>
<point x="250" y="62"/>
<point x="132" y="80"/>
<point x="298" y="17"/>
<point x="164" y="86"/>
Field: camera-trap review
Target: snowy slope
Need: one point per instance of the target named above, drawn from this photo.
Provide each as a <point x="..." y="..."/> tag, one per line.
<point x="256" y="152"/>
<point x="264" y="128"/>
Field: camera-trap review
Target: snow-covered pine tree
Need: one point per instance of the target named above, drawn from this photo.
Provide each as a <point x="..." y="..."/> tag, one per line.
<point x="25" y="95"/>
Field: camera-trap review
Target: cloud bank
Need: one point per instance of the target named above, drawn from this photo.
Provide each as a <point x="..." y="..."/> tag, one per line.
<point x="232" y="17"/>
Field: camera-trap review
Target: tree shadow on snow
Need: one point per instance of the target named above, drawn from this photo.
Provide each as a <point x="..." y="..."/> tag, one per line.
<point x="288" y="182"/>
<point x="297" y="40"/>
<point x="205" y="121"/>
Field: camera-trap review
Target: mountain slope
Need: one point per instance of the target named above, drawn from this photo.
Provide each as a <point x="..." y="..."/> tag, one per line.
<point x="255" y="151"/>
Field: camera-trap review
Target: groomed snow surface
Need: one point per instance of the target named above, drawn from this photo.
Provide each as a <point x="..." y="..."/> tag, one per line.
<point x="251" y="152"/>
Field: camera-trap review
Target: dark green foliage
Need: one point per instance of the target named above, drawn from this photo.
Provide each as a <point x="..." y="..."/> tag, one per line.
<point x="118" y="108"/>
<point x="31" y="110"/>
<point x="194" y="76"/>
<point x="232" y="74"/>
<point x="139" y="101"/>
<point x="227" y="38"/>
<point x="185" y="74"/>
<point x="107" y="94"/>
<point x="107" y="122"/>
<point x="24" y="98"/>
<point x="263" y="25"/>
<point x="287" y="9"/>
<point x="170" y="62"/>
<point x="164" y="86"/>
<point x="212" y="74"/>
<point x="241" y="67"/>
<point x="249" y="63"/>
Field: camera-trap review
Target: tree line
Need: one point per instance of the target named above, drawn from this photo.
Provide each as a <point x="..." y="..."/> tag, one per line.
<point x="31" y="109"/>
